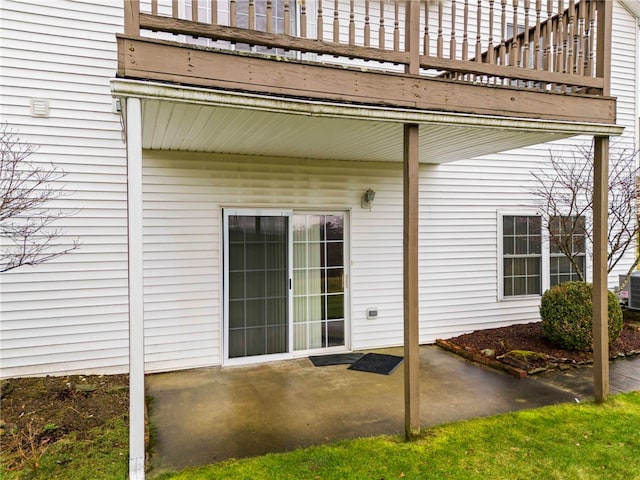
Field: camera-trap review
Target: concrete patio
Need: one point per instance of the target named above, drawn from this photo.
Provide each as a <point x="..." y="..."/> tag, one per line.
<point x="211" y="414"/>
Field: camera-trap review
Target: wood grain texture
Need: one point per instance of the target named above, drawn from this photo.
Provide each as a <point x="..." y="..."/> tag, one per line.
<point x="146" y="59"/>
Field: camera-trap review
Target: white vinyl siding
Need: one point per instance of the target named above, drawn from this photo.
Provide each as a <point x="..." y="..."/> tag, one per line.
<point x="70" y="314"/>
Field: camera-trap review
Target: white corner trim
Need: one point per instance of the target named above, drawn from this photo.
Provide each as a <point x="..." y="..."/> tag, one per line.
<point x="133" y="115"/>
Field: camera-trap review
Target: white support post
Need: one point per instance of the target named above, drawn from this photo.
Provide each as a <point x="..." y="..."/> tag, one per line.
<point x="136" y="309"/>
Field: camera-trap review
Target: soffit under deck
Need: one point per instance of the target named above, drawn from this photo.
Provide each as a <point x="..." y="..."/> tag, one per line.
<point x="186" y="119"/>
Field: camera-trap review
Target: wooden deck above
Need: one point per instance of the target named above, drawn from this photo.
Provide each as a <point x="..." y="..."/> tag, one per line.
<point x="456" y="56"/>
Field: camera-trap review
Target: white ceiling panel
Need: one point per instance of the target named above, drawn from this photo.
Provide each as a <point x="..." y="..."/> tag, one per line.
<point x="192" y="127"/>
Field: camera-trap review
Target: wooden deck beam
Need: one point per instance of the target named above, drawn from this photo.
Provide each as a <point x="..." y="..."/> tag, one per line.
<point x="147" y="59"/>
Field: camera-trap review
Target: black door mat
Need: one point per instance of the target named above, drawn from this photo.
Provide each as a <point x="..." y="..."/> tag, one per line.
<point x="335" y="359"/>
<point x="377" y="363"/>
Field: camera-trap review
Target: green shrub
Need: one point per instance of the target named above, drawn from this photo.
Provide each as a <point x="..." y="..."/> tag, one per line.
<point x="567" y="311"/>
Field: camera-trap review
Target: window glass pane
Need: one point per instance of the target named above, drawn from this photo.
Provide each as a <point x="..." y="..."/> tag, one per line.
<point x="521" y="246"/>
<point x="316" y="307"/>
<point x="519" y="266"/>
<point x="236" y="257"/>
<point x="299" y="228"/>
<point x="335" y="227"/>
<point x="507" y="266"/>
<point x="255" y="312"/>
<point x="236" y="313"/>
<point x="508" y="225"/>
<point x="521" y="225"/>
<point x="335" y="333"/>
<point x="533" y="266"/>
<point x="316" y="335"/>
<point x="509" y="245"/>
<point x="335" y="280"/>
<point x="520" y="286"/>
<point x="535" y="225"/>
<point x="533" y="285"/>
<point x="334" y="254"/>
<point x="508" y="288"/>
<point x="535" y="244"/>
<point x="300" y="255"/>
<point x="335" y="306"/>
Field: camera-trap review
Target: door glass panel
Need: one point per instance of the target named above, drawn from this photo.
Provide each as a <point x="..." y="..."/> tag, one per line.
<point x="318" y="291"/>
<point x="258" y="278"/>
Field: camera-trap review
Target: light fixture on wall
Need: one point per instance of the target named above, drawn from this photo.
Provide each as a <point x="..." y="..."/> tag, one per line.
<point x="367" y="199"/>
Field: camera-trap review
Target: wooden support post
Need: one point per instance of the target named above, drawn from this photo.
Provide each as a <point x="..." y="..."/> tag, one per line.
<point x="410" y="263"/>
<point x="410" y="240"/>
<point x="132" y="17"/>
<point x="600" y="222"/>
<point x="600" y="290"/>
<point x="136" y="309"/>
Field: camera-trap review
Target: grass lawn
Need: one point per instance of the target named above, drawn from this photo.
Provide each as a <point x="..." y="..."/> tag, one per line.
<point x="569" y="441"/>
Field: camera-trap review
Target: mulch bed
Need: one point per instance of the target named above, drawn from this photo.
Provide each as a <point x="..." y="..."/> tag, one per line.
<point x="522" y="350"/>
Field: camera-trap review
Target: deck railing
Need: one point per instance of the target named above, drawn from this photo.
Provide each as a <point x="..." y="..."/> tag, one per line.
<point x="548" y="45"/>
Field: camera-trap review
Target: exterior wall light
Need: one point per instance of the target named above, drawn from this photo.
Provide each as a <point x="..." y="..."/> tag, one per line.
<point x="367" y="199"/>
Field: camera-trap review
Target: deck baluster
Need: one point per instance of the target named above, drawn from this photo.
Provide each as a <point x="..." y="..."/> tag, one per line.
<point x="548" y="42"/>
<point x="440" y="46"/>
<point x="154" y="7"/>
<point x="514" y="54"/>
<point x="367" y="25"/>
<point x="465" y="34"/>
<point x="232" y="13"/>
<point x="252" y="15"/>
<point x="396" y="26"/>
<point x="526" y="50"/>
<point x="214" y="12"/>
<point x="427" y="37"/>
<point x="536" y="37"/>
<point x="591" y="44"/>
<point x="579" y="46"/>
<point x="320" y="23"/>
<point x="269" y="16"/>
<point x="175" y="9"/>
<point x="478" y="34"/>
<point x="452" y="41"/>
<point x="194" y="10"/>
<point x="503" y="31"/>
<point x="352" y="23"/>
<point x="336" y="22"/>
<point x="381" y="31"/>
<point x="560" y="38"/>
<point x="303" y="19"/>
<point x="490" y="50"/>
<point x="287" y="18"/>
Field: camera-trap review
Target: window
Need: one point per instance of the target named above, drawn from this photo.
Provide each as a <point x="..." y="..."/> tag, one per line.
<point x="534" y="258"/>
<point x="567" y="251"/>
<point x="521" y="255"/>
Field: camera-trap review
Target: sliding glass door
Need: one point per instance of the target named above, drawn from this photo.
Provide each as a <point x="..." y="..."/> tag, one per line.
<point x="284" y="282"/>
<point x="318" y="281"/>
<point x="257" y="283"/>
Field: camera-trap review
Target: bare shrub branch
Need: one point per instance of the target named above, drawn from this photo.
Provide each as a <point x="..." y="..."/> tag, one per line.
<point x="26" y="221"/>
<point x="566" y="190"/>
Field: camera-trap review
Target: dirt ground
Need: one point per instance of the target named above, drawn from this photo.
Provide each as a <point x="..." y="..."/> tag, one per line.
<point x="45" y="409"/>
<point x="40" y="411"/>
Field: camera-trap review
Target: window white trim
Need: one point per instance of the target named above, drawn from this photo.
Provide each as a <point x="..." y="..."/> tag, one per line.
<point x="500" y="258"/>
<point x="545" y="255"/>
